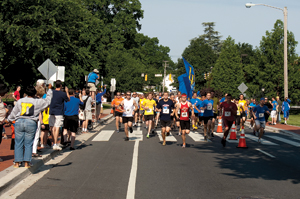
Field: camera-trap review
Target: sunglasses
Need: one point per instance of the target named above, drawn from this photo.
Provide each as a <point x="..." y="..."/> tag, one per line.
<point x="127" y="94"/>
<point x="118" y="95"/>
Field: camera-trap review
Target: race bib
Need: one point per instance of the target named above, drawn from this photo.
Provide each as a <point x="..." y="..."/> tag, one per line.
<point x="209" y="107"/>
<point x="127" y="110"/>
<point x="202" y="111"/>
<point x="184" y="114"/>
<point x="193" y="106"/>
<point x="227" y="113"/>
<point x="166" y="111"/>
<point x="149" y="110"/>
<point x="238" y="112"/>
<point x="261" y="115"/>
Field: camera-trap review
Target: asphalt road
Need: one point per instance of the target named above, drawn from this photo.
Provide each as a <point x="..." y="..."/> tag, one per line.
<point x="102" y="169"/>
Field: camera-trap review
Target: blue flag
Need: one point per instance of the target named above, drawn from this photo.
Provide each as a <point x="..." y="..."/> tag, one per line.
<point x="191" y="75"/>
<point x="184" y="85"/>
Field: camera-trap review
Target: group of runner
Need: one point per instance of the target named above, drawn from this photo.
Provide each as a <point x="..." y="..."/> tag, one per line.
<point x="178" y="111"/>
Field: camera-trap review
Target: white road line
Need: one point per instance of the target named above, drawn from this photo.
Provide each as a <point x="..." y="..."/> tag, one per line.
<point x="284" y="140"/>
<point x="197" y="137"/>
<point x="169" y="138"/>
<point x="230" y="141"/>
<point x="133" y="172"/>
<point x="136" y="136"/>
<point x="263" y="141"/>
<point x="268" y="154"/>
<point x="103" y="136"/>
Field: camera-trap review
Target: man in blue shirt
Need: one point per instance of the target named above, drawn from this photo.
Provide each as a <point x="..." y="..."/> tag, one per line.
<point x="259" y="116"/>
<point x="196" y="105"/>
<point x="91" y="82"/>
<point x="208" y="114"/>
<point x="286" y="109"/>
<point x="99" y="102"/>
<point x="251" y="106"/>
<point x="274" y="110"/>
<point x="223" y="99"/>
<point x="71" y="109"/>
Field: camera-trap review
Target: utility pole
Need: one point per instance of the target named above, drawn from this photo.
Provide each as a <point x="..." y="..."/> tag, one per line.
<point x="286" y="92"/>
<point x="165" y="74"/>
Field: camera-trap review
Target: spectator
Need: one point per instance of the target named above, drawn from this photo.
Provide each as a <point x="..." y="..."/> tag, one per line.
<point x="279" y="109"/>
<point x="270" y="107"/>
<point x="274" y="111"/>
<point x="44" y="120"/>
<point x="99" y="102"/>
<point x="92" y="77"/>
<point x="57" y="111"/>
<point x="26" y="114"/>
<point x="16" y="95"/>
<point x="3" y="91"/>
<point x="71" y="120"/>
<point x="87" y="109"/>
<point x="286" y="109"/>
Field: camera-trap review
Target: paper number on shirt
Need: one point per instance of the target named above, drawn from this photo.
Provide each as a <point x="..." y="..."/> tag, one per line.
<point x="227" y="113"/>
<point x="166" y="111"/>
<point x="261" y="115"/>
<point x="209" y="107"/>
<point x="27" y="109"/>
<point x="202" y="111"/>
<point x="184" y="114"/>
<point x="149" y="110"/>
<point x="128" y="110"/>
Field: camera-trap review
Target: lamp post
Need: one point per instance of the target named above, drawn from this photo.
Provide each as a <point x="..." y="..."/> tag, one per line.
<point x="285" y="13"/>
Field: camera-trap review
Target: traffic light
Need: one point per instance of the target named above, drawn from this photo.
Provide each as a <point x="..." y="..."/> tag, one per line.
<point x="146" y="77"/>
<point x="170" y="77"/>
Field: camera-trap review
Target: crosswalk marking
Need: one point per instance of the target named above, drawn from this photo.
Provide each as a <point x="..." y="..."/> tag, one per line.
<point x="136" y="136"/>
<point x="197" y="137"/>
<point x="169" y="138"/>
<point x="230" y="141"/>
<point x="103" y="136"/>
<point x="263" y="141"/>
<point x="284" y="140"/>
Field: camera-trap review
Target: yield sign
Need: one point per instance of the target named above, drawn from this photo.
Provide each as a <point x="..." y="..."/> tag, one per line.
<point x="48" y="69"/>
<point x="243" y="87"/>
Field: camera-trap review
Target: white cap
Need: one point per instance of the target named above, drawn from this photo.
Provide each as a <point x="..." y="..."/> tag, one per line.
<point x="95" y="71"/>
<point x="40" y="82"/>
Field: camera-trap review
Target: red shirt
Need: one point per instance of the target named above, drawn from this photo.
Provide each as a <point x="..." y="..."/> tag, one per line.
<point x="184" y="111"/>
<point x="17" y="95"/>
<point x="229" y="110"/>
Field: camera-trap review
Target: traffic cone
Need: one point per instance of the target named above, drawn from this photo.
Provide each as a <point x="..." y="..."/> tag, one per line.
<point x="233" y="132"/>
<point x="220" y="129"/>
<point x="242" y="141"/>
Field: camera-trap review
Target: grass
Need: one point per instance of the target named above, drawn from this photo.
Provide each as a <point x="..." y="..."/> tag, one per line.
<point x="106" y="106"/>
<point x="293" y="119"/>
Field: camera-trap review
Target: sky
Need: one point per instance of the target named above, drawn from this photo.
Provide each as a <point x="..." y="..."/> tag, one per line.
<point x="176" y="22"/>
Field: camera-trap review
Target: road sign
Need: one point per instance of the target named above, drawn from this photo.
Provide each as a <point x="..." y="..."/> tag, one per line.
<point x="59" y="75"/>
<point x="158" y="75"/>
<point x="112" y="88"/>
<point x="48" y="69"/>
<point x="243" y="87"/>
<point x="113" y="81"/>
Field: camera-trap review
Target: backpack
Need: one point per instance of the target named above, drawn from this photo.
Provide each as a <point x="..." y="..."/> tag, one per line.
<point x="82" y="107"/>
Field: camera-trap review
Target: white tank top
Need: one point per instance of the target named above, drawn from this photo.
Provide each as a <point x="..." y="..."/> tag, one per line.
<point x="128" y="107"/>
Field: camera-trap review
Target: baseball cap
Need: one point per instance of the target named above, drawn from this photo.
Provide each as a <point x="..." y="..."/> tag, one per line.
<point x="262" y="98"/>
<point x="95" y="71"/>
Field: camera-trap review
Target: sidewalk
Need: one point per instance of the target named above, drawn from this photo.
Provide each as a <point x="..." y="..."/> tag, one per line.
<point x="10" y="176"/>
<point x="282" y="128"/>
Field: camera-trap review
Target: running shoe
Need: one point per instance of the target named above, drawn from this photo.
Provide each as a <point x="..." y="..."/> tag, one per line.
<point x="205" y="138"/>
<point x="148" y="136"/>
<point x="72" y="149"/>
<point x="183" y="146"/>
<point x="131" y="130"/>
<point x="168" y="133"/>
<point x="223" y="142"/>
<point x="117" y="131"/>
<point x="179" y="134"/>
<point x="127" y="139"/>
<point x="212" y="135"/>
<point x="259" y="140"/>
<point x="153" y="131"/>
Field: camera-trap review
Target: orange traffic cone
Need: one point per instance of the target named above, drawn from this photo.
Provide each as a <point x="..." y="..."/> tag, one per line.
<point x="233" y="132"/>
<point x="220" y="129"/>
<point x="242" y="141"/>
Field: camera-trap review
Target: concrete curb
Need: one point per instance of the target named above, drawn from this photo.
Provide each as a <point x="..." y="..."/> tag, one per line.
<point x="277" y="130"/>
<point x="11" y="176"/>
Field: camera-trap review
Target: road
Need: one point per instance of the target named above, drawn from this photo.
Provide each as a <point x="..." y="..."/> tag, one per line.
<point x="144" y="169"/>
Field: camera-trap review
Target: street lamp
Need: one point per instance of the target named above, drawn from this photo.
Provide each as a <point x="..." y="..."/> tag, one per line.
<point x="285" y="13"/>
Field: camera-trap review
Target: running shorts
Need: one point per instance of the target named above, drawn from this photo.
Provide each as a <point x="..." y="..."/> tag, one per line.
<point x="149" y="117"/>
<point x="215" y="115"/>
<point x="118" y="114"/>
<point x="227" y="123"/>
<point x="206" y="119"/>
<point x="185" y="124"/>
<point x="164" y="123"/>
<point x="260" y="124"/>
<point x="127" y="119"/>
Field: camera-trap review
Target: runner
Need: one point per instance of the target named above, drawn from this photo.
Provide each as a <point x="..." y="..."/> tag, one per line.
<point x="196" y="106"/>
<point x="141" y="116"/>
<point x="166" y="109"/>
<point x="172" y="97"/>
<point x="274" y="111"/>
<point x="156" y="115"/>
<point x="128" y="106"/>
<point x="184" y="107"/>
<point x="259" y="116"/>
<point x="215" y="111"/>
<point x="178" y="97"/>
<point x="136" y="113"/>
<point x="118" y="114"/>
<point x="243" y="108"/>
<point x="149" y="105"/>
<point x="251" y="106"/>
<point x="178" y="112"/>
<point x="229" y="113"/>
<point x="208" y="114"/>
<point x="201" y="117"/>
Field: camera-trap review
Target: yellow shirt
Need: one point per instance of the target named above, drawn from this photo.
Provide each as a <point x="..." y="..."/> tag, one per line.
<point x="46" y="116"/>
<point x="151" y="104"/>
<point x="141" y="103"/>
<point x="243" y="105"/>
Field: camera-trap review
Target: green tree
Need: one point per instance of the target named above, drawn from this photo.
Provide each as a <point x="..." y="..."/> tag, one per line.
<point x="212" y="37"/>
<point x="227" y="73"/>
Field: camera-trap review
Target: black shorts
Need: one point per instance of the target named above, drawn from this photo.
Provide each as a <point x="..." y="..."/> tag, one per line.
<point x="196" y="114"/>
<point x="118" y="114"/>
<point x="201" y="118"/>
<point x="227" y="123"/>
<point x="71" y="123"/>
<point x="127" y="119"/>
<point x="185" y="124"/>
<point x="164" y="123"/>
<point x="47" y="128"/>
<point x="215" y="115"/>
<point x="243" y="114"/>
<point x="206" y="119"/>
<point x="148" y="117"/>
